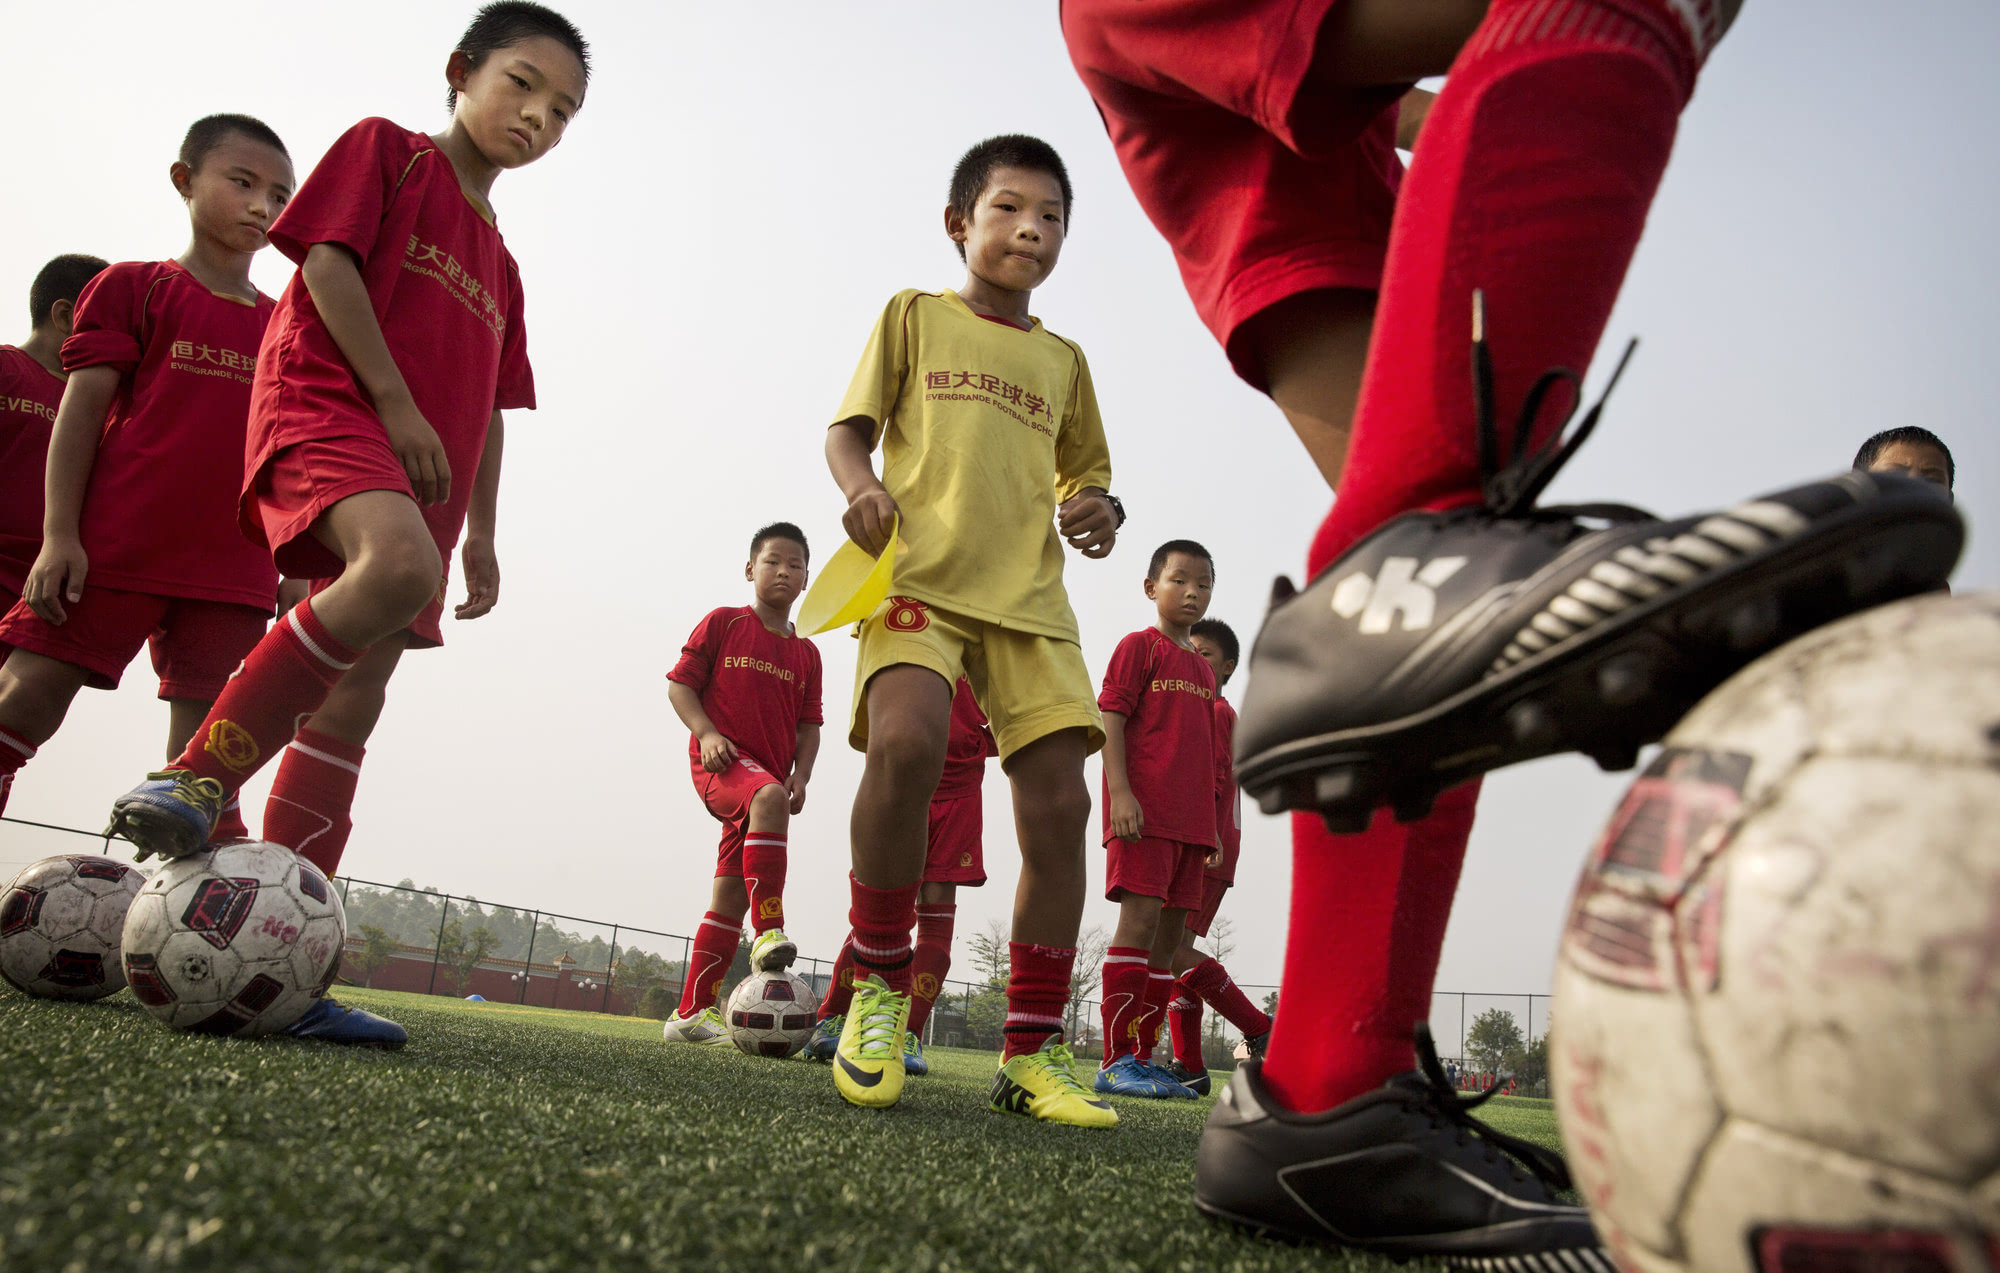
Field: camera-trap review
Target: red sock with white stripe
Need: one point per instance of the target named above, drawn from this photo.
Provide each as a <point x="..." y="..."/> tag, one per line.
<point x="715" y="943"/>
<point x="1037" y="992"/>
<point x="1159" y="989"/>
<point x="930" y="961"/>
<point x="840" y="991"/>
<point x="881" y="919"/>
<point x="764" y="877"/>
<point x="1184" y="1027"/>
<point x="1123" y="990"/>
<point x="15" y="751"/>
<point x="284" y="680"/>
<point x="229" y="824"/>
<point x="311" y="807"/>
<point x="1210" y="980"/>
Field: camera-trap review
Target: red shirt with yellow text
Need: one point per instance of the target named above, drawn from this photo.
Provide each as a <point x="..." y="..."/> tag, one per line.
<point x="758" y="686"/>
<point x="1167" y="696"/>
<point x="29" y="396"/>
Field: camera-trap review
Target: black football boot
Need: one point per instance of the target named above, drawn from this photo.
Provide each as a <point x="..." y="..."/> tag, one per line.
<point x="1404" y="1170"/>
<point x="1446" y="645"/>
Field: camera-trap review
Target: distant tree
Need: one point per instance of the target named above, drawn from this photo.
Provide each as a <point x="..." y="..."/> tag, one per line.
<point x="1220" y="943"/>
<point x="1271" y="1004"/>
<point x="377" y="949"/>
<point x="1085" y="972"/>
<point x="636" y="972"/>
<point x="461" y="951"/>
<point x="1494" y="1036"/>
<point x="657" y="1002"/>
<point x="1530" y="1065"/>
<point x="989" y="953"/>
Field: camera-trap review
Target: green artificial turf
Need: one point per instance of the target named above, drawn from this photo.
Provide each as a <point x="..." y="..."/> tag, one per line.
<point x="522" y="1139"/>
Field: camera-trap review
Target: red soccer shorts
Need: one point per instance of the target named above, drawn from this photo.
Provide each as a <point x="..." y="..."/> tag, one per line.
<point x="196" y="644"/>
<point x="1212" y="890"/>
<point x="1166" y="869"/>
<point x="8" y="599"/>
<point x="727" y="798"/>
<point x="955" y="855"/>
<point x="1264" y="183"/>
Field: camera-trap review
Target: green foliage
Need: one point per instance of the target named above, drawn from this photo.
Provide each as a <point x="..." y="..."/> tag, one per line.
<point x="657" y="1003"/>
<point x="459" y="952"/>
<point x="377" y="949"/>
<point x="1530" y="1066"/>
<point x="1494" y="1037"/>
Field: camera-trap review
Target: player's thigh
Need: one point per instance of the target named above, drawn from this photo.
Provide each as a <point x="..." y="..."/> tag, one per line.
<point x="910" y="658"/>
<point x="382" y="531"/>
<point x="35" y="693"/>
<point x="1364" y="43"/>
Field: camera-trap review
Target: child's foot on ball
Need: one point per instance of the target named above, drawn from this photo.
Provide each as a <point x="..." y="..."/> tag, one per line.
<point x="1129" y="1076"/>
<point x="705" y="1027"/>
<point x="172" y="813"/>
<point x="1043" y="1085"/>
<point x="868" y="1061"/>
<point x="772" y="951"/>
<point x="332" y="1022"/>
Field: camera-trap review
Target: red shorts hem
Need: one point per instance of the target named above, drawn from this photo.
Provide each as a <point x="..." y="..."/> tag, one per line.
<point x="1150" y="867"/>
<point x="1199" y="919"/>
<point x="296" y="484"/>
<point x="954" y="854"/>
<point x="196" y="644"/>
<point x="1328" y="265"/>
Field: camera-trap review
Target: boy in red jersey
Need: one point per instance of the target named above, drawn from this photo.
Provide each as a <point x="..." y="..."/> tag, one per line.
<point x="956" y="857"/>
<point x="375" y="427"/>
<point x="1159" y="811"/>
<point x="149" y="435"/>
<point x="993" y="456"/>
<point x="1201" y="978"/>
<point x="1451" y="626"/>
<point x="748" y="688"/>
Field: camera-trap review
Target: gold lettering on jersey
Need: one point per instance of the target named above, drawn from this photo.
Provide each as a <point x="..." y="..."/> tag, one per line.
<point x="945" y="386"/>
<point x="211" y="360"/>
<point x="28" y="406"/>
<point x="748" y="663"/>
<point x="1174" y="685"/>
<point x="433" y="261"/>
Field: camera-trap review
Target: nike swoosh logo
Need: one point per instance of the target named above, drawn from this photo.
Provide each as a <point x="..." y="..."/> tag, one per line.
<point x="862" y="1077"/>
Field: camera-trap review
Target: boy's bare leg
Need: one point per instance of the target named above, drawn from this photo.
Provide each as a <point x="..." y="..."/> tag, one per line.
<point x="393" y="567"/>
<point x="1309" y="350"/>
<point x="909" y="718"/>
<point x="728" y="898"/>
<point x="1138" y="922"/>
<point x="35" y="694"/>
<point x="354" y="706"/>
<point x="184" y="716"/>
<point x="1051" y="817"/>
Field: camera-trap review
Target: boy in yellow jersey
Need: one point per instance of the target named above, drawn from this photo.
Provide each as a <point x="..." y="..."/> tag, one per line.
<point x="993" y="455"/>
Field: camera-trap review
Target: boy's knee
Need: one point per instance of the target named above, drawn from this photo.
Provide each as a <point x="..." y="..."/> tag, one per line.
<point x="404" y="574"/>
<point x="771" y="801"/>
<point x="907" y="754"/>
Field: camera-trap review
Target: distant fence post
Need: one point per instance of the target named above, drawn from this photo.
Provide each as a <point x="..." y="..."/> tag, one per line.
<point x="528" y="964"/>
<point x="610" y="962"/>
<point x="437" y="952"/>
<point x="1461" y="1025"/>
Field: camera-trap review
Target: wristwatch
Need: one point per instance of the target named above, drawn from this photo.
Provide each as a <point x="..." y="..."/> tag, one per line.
<point x="1117" y="506"/>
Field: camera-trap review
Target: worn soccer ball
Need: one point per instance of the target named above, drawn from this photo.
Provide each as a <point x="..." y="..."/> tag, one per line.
<point x="1776" y="1029"/>
<point x="771" y="1013"/>
<point x="237" y="940"/>
<point x="61" y="920"/>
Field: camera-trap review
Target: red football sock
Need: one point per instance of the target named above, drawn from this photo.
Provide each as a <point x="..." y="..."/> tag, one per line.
<point x="1211" y="981"/>
<point x="715" y="943"/>
<point x="15" y="751"/>
<point x="840" y="991"/>
<point x="881" y="919"/>
<point x="1037" y="992"/>
<point x="229" y="824"/>
<point x="312" y="798"/>
<point x="1184" y="1027"/>
<point x="931" y="961"/>
<point x="1123" y="990"/>
<point x="1159" y="989"/>
<point x="282" y="682"/>
<point x="764" y="877"/>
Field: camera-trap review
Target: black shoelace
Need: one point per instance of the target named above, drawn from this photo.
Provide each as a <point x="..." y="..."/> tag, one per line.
<point x="1443" y="1103"/>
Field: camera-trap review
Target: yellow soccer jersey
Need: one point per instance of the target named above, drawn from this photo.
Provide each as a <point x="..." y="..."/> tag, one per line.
<point x="984" y="429"/>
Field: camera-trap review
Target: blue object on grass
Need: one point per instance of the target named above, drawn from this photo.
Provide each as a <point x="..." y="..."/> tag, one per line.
<point x="475" y="998"/>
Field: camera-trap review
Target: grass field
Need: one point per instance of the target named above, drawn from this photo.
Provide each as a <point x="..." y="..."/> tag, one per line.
<point x="521" y="1139"/>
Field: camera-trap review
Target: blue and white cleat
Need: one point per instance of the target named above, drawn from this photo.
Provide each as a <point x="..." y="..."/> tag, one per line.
<point x="1129" y="1076"/>
<point x="825" y="1038"/>
<point x="913" y="1054"/>
<point x="172" y="813"/>
<point x="331" y="1022"/>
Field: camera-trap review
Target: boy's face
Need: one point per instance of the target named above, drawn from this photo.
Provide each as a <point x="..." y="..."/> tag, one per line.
<point x="1913" y="459"/>
<point x="515" y="105"/>
<point x="778" y="572"/>
<point x="1181" y="591"/>
<point x="1015" y="232"/>
<point x="237" y="192"/>
<point x="1211" y="654"/>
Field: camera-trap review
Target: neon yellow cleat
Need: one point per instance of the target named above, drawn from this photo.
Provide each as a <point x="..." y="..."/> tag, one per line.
<point x="772" y="951"/>
<point x="1043" y="1085"/>
<point x="868" y="1062"/>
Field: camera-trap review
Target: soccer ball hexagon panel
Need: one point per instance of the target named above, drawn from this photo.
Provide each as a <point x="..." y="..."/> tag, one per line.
<point x="771" y="1013"/>
<point x="61" y="923"/>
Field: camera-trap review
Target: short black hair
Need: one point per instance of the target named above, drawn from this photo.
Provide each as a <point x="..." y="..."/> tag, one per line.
<point x="208" y="132"/>
<point x="1908" y="435"/>
<point x="1009" y="150"/>
<point x="1222" y="634"/>
<point x="508" y="22"/>
<point x="60" y="280"/>
<point x="779" y="530"/>
<point x="1185" y="547"/>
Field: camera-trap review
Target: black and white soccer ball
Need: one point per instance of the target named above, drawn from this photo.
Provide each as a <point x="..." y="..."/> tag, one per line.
<point x="771" y="1013"/>
<point x="239" y="939"/>
<point x="61" y="922"/>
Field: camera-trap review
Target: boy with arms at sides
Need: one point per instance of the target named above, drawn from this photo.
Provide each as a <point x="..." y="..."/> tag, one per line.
<point x="1201" y="978"/>
<point x="1452" y="626"/>
<point x="375" y="434"/>
<point x="993" y="456"/>
<point x="139" y="541"/>
<point x="748" y="688"/>
<point x="954" y="857"/>
<point x="1159" y="811"/>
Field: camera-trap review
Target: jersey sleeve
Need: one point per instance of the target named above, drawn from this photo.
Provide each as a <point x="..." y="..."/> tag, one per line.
<point x="885" y="363"/>
<point x="812" y="712"/>
<point x="1083" y="458"/>
<point x="515" y="390"/>
<point x="348" y="193"/>
<point x="1125" y="678"/>
<point x="111" y="326"/>
<point x="697" y="661"/>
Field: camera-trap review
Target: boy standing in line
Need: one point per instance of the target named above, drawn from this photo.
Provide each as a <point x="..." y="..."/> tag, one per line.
<point x="1159" y="811"/>
<point x="748" y="688"/>
<point x="993" y="456"/>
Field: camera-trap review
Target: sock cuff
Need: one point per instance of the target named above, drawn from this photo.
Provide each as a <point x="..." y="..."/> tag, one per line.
<point x="1159" y="974"/>
<point x="938" y="910"/>
<point x="334" y="751"/>
<point x="1675" y="33"/>
<point x="1127" y="955"/>
<point x="17" y="744"/>
<point x="305" y="627"/>
<point x="764" y="837"/>
<point x="710" y="919"/>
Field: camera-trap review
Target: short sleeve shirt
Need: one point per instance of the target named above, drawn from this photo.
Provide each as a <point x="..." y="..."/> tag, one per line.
<point x="966" y="747"/>
<point x="758" y="686"/>
<point x="159" y="514"/>
<point x="1228" y="800"/>
<point x="29" y="396"/>
<point x="984" y="429"/>
<point x="1167" y="696"/>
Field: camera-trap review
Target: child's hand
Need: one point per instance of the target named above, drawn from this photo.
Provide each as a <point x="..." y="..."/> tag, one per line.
<point x="482" y="579"/>
<point x="717" y="752"/>
<point x="797" y="787"/>
<point x="56" y="576"/>
<point x="1128" y="821"/>
<point x="417" y="448"/>
<point x="1088" y="523"/>
<point x="1214" y="857"/>
<point x="870" y="520"/>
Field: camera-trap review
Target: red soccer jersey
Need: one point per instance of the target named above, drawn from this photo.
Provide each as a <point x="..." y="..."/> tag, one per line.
<point x="159" y="515"/>
<point x="758" y="686"/>
<point x="1228" y="800"/>
<point x="444" y="289"/>
<point x="29" y="396"/>
<point x="967" y="747"/>
<point x="1167" y="696"/>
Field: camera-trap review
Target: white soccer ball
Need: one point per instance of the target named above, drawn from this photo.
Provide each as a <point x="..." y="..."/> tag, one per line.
<point x="771" y="1013"/>
<point x="239" y="939"/>
<point x="61" y="920"/>
<point x="1776" y="1029"/>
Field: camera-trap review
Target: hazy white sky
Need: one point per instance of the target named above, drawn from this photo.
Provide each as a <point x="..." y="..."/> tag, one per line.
<point x="702" y="257"/>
